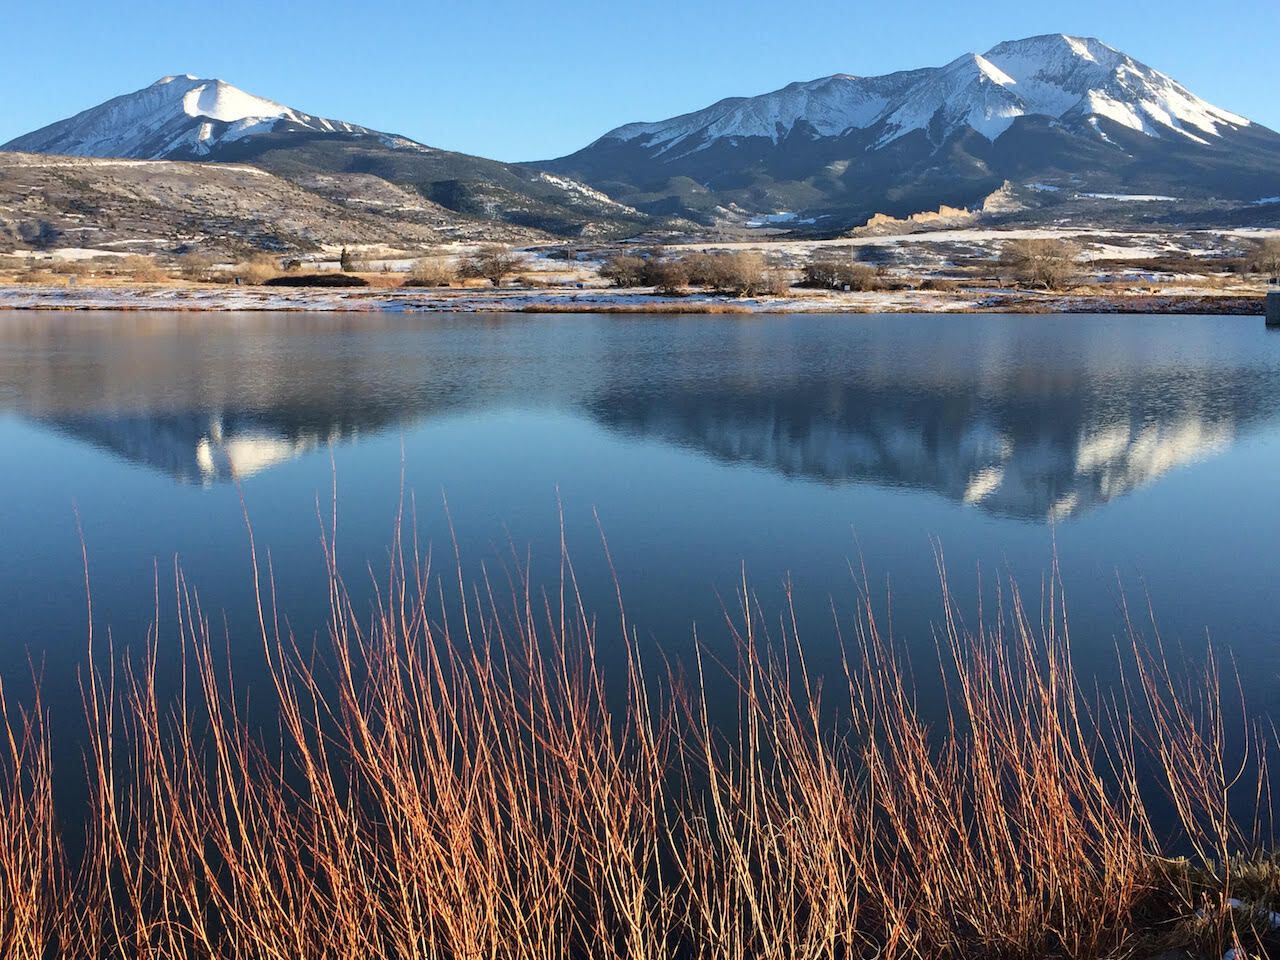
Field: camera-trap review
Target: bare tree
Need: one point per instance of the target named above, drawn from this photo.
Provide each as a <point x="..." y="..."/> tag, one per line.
<point x="493" y="263"/>
<point x="1043" y="263"/>
<point x="1268" y="262"/>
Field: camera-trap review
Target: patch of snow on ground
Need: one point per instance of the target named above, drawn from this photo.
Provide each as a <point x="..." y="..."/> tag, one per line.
<point x="1131" y="197"/>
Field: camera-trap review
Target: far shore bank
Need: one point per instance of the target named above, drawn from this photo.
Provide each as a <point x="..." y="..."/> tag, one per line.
<point x="143" y="297"/>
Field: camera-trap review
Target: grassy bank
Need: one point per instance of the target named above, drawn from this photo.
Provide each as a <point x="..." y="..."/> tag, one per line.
<point x="462" y="785"/>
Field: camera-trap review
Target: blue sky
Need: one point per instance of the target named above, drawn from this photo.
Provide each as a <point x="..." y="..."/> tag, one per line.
<point x="531" y="80"/>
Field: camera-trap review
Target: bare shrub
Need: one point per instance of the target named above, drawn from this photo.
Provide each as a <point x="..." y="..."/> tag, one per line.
<point x="197" y="267"/>
<point x="493" y="263"/>
<point x="666" y="276"/>
<point x="139" y="268"/>
<point x="71" y="268"/>
<point x="431" y="272"/>
<point x="777" y="282"/>
<point x="701" y="269"/>
<point x="35" y="274"/>
<point x="624" y="271"/>
<point x="737" y="274"/>
<point x="1049" y="264"/>
<point x="827" y="271"/>
<point x="255" y="270"/>
<point x="940" y="284"/>
<point x="1267" y="260"/>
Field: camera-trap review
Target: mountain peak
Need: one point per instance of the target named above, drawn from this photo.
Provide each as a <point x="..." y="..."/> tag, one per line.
<point x="177" y="117"/>
<point x="1050" y="75"/>
<point x="971" y="63"/>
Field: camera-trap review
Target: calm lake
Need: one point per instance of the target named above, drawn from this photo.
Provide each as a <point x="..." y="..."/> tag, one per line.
<point x="1145" y="451"/>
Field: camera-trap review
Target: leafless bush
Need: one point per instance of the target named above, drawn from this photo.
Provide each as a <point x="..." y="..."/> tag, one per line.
<point x="777" y="282"/>
<point x="666" y="276"/>
<point x="827" y="271"/>
<point x="1267" y="260"/>
<point x="493" y="263"/>
<point x="255" y="270"/>
<point x="431" y="272"/>
<point x="35" y="274"/>
<point x="196" y="267"/>
<point x="701" y="268"/>
<point x="1049" y="264"/>
<point x="624" y="271"/>
<point x="737" y="274"/>
<point x="139" y="268"/>
<point x="940" y="284"/>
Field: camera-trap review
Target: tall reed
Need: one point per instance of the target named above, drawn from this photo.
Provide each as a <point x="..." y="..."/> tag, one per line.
<point x="453" y="774"/>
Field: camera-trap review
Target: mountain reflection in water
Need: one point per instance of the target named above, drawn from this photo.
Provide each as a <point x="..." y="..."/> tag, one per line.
<point x="1035" y="418"/>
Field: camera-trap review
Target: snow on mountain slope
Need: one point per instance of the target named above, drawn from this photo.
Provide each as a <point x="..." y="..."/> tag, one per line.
<point x="1055" y="76"/>
<point x="830" y="106"/>
<point x="175" y="117"/>
<point x="970" y="91"/>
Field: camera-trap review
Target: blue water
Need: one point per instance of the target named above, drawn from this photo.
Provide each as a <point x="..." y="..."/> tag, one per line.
<point x="1145" y="451"/>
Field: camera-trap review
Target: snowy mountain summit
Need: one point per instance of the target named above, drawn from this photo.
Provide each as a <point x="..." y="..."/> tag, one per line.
<point x="178" y="117"/>
<point x="1056" y="76"/>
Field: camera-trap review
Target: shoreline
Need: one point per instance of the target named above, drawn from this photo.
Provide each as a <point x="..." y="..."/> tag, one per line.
<point x="522" y="300"/>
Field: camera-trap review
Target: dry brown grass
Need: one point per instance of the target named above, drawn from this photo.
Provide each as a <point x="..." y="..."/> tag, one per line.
<point x="140" y="269"/>
<point x="467" y="784"/>
<point x="658" y="307"/>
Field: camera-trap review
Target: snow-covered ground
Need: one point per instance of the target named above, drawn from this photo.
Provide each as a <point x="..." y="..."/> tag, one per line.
<point x="480" y="300"/>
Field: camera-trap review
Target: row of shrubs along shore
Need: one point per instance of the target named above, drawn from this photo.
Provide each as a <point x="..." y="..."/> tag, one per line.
<point x="1035" y="264"/>
<point x="478" y="786"/>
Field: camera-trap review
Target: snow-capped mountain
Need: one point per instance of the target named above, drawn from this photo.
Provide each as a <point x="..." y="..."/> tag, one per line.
<point x="189" y="118"/>
<point x="1051" y="76"/>
<point x="1064" y="109"/>
<point x="181" y="117"/>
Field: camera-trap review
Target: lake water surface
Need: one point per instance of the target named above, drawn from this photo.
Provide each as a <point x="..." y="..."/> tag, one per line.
<point x="1145" y="451"/>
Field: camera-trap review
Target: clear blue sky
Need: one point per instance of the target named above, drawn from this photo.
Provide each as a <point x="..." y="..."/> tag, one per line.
<point x="531" y="80"/>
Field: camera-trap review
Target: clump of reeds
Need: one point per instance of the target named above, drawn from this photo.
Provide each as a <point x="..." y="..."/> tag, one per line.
<point x="453" y="775"/>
